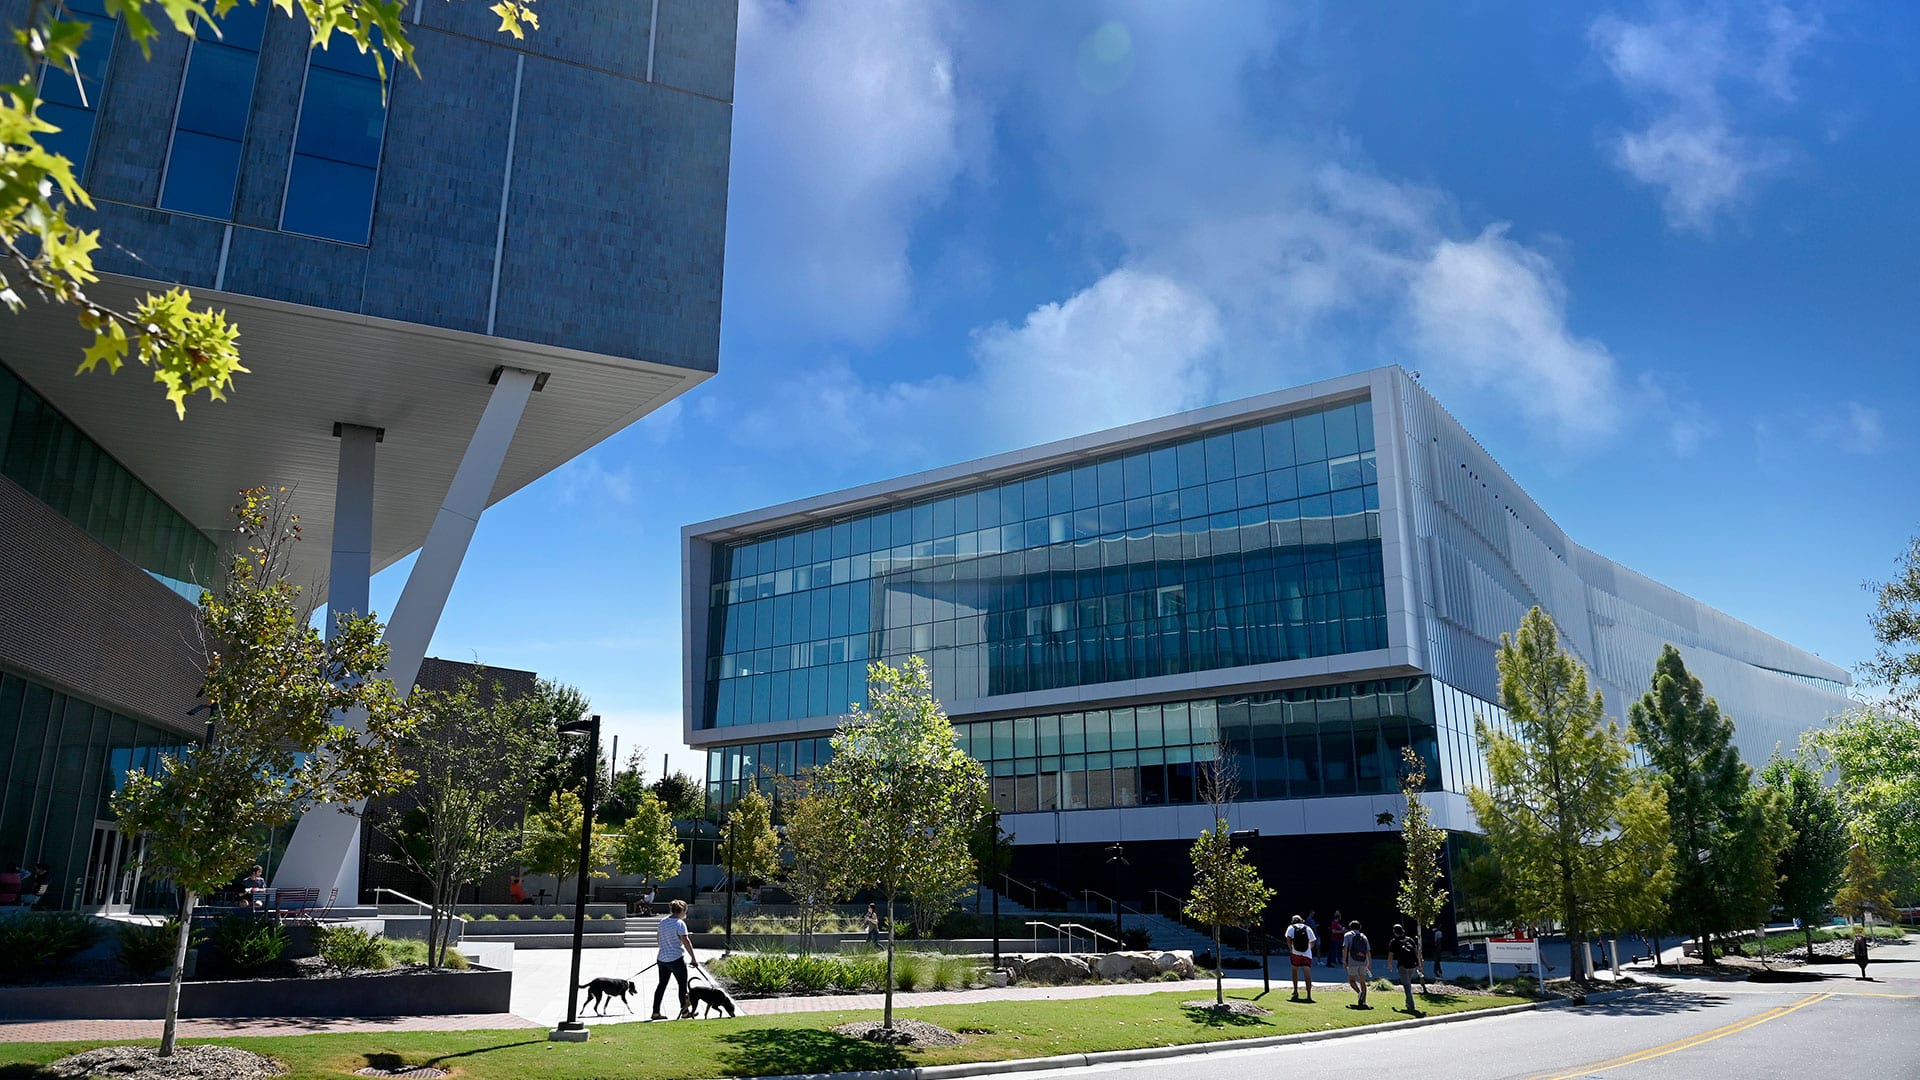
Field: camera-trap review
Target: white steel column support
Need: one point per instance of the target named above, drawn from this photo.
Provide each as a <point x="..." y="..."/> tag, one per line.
<point x="350" y="574"/>
<point x="324" y="850"/>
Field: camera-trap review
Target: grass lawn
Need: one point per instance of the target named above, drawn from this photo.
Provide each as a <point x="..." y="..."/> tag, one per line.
<point x="796" y="1043"/>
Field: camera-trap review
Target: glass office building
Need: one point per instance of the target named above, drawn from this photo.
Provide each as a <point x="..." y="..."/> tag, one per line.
<point x="1310" y="582"/>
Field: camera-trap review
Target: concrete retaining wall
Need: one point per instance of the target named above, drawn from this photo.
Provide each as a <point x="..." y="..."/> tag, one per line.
<point x="421" y="994"/>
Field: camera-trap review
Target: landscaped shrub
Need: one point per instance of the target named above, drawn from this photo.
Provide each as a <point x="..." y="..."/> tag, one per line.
<point x="246" y="941"/>
<point x="414" y="951"/>
<point x="147" y="950"/>
<point x="34" y="939"/>
<point x="490" y="917"/>
<point x="778" y="973"/>
<point x="813" y="974"/>
<point x="756" y="972"/>
<point x="347" y="949"/>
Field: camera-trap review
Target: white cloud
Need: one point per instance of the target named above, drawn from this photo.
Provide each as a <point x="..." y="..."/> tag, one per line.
<point x="585" y="481"/>
<point x="1685" y="70"/>
<point x="1856" y="429"/>
<point x="1131" y="346"/>
<point x="1494" y="313"/>
<point x="847" y="126"/>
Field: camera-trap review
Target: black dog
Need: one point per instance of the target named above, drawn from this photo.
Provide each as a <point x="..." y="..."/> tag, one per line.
<point x="601" y="991"/>
<point x="710" y="998"/>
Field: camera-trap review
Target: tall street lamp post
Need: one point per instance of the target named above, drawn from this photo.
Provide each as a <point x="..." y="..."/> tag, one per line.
<point x="571" y="1029"/>
<point x="1251" y="837"/>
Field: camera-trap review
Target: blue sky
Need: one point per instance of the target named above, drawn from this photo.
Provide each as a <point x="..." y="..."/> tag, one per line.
<point x="1658" y="258"/>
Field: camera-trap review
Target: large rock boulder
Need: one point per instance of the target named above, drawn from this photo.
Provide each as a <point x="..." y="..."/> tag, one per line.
<point x="1114" y="965"/>
<point x="1181" y="962"/>
<point x="1053" y="969"/>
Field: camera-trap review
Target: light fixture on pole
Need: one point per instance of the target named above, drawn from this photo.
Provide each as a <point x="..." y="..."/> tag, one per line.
<point x="571" y="1029"/>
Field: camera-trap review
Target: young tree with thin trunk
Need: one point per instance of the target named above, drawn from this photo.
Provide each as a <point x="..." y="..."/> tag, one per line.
<point x="647" y="844"/>
<point x="1811" y="863"/>
<point x="551" y="841"/>
<point x="278" y="747"/>
<point x="1421" y="897"/>
<point x="476" y="754"/>
<point x="815" y="871"/>
<point x="1580" y="834"/>
<point x="1227" y="889"/>
<point x="902" y="796"/>
<point x="1863" y="888"/>
<point x="1726" y="834"/>
<point x="748" y="842"/>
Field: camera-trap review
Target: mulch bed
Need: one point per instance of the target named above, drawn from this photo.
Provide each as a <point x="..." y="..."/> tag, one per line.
<point x="187" y="1063"/>
<point x="1233" y="1007"/>
<point x="903" y="1033"/>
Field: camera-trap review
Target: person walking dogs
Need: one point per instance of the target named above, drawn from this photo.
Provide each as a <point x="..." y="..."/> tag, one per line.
<point x="1300" y="945"/>
<point x="676" y="949"/>
<point x="1860" y="949"/>
<point x="1359" y="955"/>
<point x="1405" y="957"/>
<point x="873" y="927"/>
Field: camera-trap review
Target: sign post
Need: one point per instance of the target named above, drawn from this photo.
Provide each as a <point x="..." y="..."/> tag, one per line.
<point x="1518" y="949"/>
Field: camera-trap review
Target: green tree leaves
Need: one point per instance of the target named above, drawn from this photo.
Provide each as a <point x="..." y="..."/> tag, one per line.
<point x="280" y="747"/>
<point x="648" y="845"/>
<point x="552" y="840"/>
<point x="1420" y="898"/>
<point x="748" y="842"/>
<point x="1727" y="834"/>
<point x="1227" y="890"/>
<point x="1580" y="835"/>
<point x="1810" y="863"/>
<point x="901" y="797"/>
<point x="1878" y="754"/>
<point x="476" y="755"/>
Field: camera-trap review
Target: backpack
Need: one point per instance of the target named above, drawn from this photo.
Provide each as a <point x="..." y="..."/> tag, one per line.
<point x="1404" y="952"/>
<point x="1300" y="939"/>
<point x="1359" y="949"/>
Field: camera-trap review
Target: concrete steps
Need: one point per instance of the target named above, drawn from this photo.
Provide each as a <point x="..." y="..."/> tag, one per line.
<point x="643" y="932"/>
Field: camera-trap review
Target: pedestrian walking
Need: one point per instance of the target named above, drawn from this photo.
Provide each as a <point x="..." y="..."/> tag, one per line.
<point x="873" y="927"/>
<point x="1405" y="957"/>
<point x="676" y="948"/>
<point x="1300" y="945"/>
<point x="1860" y="949"/>
<point x="1336" y="939"/>
<point x="1358" y="952"/>
<point x="1439" y="939"/>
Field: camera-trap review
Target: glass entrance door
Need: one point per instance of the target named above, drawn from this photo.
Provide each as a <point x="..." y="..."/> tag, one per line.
<point x="113" y="868"/>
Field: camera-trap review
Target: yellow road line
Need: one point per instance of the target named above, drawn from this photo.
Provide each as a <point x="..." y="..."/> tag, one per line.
<point x="1690" y="1041"/>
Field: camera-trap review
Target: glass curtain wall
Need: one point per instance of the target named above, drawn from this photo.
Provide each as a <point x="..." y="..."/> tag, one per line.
<point x="61" y="760"/>
<point x="70" y="100"/>
<point x="1343" y="739"/>
<point x="1251" y="545"/>
<point x="57" y="463"/>
<point x="203" y="167"/>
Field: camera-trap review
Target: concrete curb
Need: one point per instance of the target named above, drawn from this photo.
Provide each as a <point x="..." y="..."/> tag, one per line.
<point x="1152" y="1053"/>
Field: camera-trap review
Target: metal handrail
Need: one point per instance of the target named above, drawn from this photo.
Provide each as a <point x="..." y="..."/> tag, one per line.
<point x="414" y="900"/>
<point x="1088" y="895"/>
<point x="1062" y="931"/>
<point x="1178" y="904"/>
<point x="1033" y="894"/>
<point x="1091" y="932"/>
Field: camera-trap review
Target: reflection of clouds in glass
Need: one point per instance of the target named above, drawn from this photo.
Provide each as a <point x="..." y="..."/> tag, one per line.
<point x="1106" y="58"/>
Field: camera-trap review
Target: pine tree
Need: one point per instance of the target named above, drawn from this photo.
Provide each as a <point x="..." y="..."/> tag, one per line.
<point x="1727" y="835"/>
<point x="1810" y="864"/>
<point x="1580" y="834"/>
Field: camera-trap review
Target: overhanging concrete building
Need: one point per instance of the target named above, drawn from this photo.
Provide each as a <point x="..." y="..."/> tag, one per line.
<point x="1316" y="578"/>
<point x="443" y="294"/>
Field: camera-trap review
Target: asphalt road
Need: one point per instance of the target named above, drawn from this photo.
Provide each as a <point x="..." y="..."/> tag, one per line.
<point x="1837" y="1027"/>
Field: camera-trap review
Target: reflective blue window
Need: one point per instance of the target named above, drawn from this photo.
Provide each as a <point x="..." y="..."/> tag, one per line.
<point x="336" y="152"/>
<point x="69" y="104"/>
<point x="215" y="99"/>
<point x="1253" y="545"/>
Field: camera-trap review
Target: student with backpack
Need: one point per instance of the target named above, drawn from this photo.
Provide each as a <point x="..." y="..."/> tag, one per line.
<point x="1359" y="955"/>
<point x="1405" y="955"/>
<point x="1300" y="945"/>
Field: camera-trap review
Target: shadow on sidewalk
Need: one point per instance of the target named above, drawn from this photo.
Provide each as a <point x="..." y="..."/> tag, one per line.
<point x="790" y="1051"/>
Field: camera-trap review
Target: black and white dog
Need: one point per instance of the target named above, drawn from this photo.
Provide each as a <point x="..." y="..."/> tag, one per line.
<point x="602" y="991"/>
<point x="707" y="1000"/>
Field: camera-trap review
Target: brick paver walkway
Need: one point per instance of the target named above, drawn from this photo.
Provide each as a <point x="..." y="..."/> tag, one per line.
<point x="97" y="1030"/>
